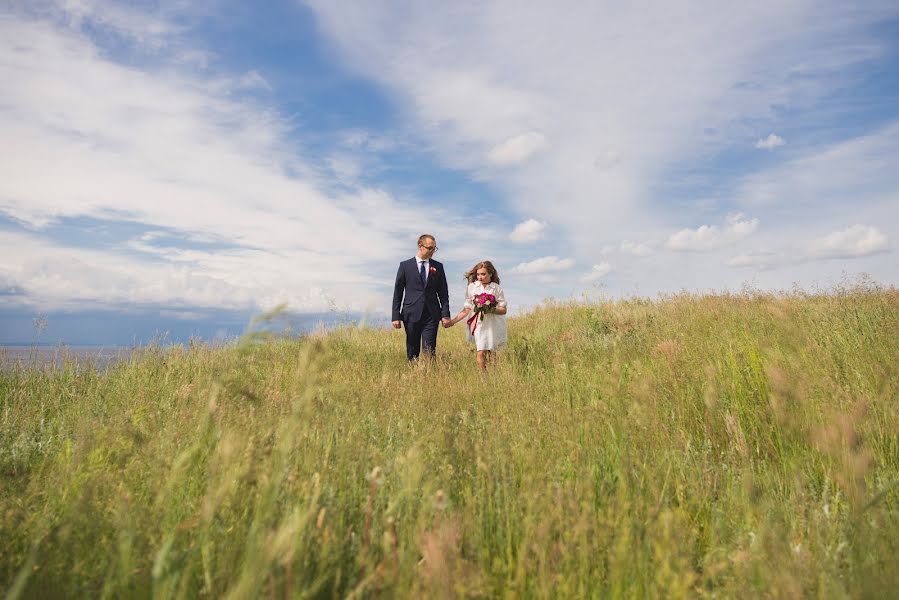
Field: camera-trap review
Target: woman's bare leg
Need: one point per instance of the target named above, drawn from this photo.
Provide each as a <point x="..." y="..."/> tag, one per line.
<point x="482" y="359"/>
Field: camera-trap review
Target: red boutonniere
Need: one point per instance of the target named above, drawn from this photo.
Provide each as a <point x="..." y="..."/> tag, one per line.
<point x="433" y="269"/>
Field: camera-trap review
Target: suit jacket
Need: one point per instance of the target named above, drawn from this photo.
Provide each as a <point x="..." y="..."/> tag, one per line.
<point x="410" y="297"/>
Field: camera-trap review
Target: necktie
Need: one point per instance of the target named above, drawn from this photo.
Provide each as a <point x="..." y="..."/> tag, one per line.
<point x="421" y="272"/>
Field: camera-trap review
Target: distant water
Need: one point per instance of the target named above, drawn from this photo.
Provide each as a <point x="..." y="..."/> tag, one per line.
<point x="55" y="356"/>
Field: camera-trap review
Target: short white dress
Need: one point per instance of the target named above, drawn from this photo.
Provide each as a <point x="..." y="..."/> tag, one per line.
<point x="491" y="331"/>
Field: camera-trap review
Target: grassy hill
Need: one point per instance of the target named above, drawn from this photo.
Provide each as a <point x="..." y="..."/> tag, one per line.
<point x="738" y="445"/>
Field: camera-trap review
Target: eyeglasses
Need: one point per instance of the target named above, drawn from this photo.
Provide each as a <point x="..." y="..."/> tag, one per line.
<point x="430" y="248"/>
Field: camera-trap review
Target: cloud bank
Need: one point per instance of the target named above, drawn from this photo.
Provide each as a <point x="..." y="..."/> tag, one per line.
<point x="626" y="93"/>
<point x="546" y="264"/>
<point x="712" y="237"/>
<point x="91" y="139"/>
<point x="852" y="242"/>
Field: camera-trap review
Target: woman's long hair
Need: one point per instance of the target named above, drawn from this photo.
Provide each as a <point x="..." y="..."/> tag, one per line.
<point x="472" y="274"/>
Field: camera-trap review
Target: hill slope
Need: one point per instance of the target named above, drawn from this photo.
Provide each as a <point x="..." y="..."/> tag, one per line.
<point x="697" y="445"/>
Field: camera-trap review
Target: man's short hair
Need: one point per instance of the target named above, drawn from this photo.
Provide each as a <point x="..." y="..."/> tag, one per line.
<point x="425" y="236"/>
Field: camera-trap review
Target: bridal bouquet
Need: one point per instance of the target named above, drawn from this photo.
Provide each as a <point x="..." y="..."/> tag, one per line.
<point x="483" y="303"/>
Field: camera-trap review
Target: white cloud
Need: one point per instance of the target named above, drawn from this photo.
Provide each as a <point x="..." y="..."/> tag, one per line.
<point x="517" y="149"/>
<point x="764" y="260"/>
<point x="770" y="143"/>
<point x="547" y="264"/>
<point x="637" y="248"/>
<point x="852" y="242"/>
<point x="742" y="260"/>
<point x="528" y="231"/>
<point x="51" y="276"/>
<point x="598" y="272"/>
<point x="149" y="236"/>
<point x="711" y="237"/>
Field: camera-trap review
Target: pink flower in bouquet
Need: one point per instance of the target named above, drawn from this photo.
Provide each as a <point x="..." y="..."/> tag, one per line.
<point x="485" y="299"/>
<point x="483" y="303"/>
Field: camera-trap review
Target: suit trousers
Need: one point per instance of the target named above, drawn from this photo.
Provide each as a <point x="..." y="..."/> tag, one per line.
<point x="422" y="334"/>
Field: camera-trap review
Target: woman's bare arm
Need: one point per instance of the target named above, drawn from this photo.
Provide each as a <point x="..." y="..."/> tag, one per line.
<point x="462" y="314"/>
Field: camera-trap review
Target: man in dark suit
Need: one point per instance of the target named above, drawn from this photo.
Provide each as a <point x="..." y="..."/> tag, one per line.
<point x="421" y="299"/>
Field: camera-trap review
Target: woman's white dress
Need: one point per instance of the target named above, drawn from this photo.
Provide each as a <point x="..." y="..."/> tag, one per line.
<point x="491" y="331"/>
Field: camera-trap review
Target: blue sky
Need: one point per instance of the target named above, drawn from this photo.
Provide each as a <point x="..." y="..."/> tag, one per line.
<point x="178" y="166"/>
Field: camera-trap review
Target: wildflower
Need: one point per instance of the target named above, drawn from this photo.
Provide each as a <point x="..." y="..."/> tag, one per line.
<point x="440" y="500"/>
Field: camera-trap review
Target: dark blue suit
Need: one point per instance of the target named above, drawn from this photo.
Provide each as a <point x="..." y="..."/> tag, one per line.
<point x="420" y="307"/>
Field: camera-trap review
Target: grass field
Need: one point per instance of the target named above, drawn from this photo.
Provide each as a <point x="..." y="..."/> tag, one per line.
<point x="695" y="446"/>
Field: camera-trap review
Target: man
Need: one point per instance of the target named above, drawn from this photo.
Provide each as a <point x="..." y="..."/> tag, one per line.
<point x="421" y="299"/>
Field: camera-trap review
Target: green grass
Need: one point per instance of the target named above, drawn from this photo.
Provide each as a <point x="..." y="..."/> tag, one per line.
<point x="696" y="446"/>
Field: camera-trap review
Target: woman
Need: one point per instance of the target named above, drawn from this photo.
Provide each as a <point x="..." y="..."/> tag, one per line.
<point x="487" y="327"/>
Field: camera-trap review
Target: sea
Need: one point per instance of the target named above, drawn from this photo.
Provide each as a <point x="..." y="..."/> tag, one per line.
<point x="44" y="357"/>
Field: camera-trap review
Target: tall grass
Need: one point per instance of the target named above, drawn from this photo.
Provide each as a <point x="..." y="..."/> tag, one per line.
<point x="738" y="445"/>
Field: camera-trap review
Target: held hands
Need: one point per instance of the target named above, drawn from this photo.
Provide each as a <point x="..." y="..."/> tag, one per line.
<point x="397" y="324"/>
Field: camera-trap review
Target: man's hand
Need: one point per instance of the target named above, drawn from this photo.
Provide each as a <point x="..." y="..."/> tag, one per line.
<point x="397" y="324"/>
<point x="447" y="322"/>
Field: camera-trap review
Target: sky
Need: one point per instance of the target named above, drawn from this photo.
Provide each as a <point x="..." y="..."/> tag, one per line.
<point x="174" y="167"/>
